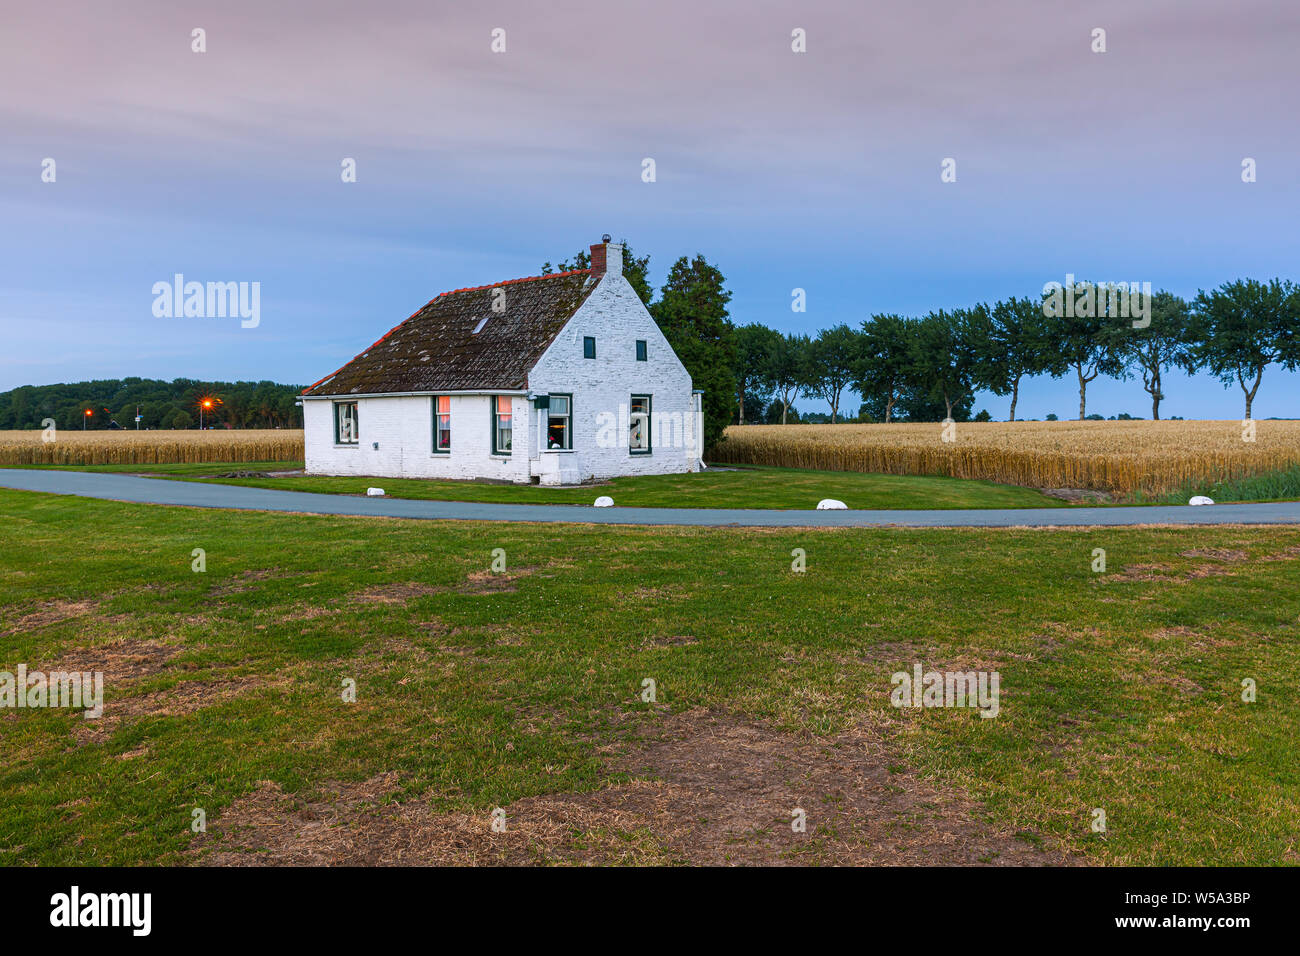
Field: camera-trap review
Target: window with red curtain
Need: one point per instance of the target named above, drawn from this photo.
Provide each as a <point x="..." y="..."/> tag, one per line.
<point x="442" y="423"/>
<point x="502" y="424"/>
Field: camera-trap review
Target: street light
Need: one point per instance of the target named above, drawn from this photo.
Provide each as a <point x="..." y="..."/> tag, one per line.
<point x="203" y="406"/>
<point x="86" y="419"/>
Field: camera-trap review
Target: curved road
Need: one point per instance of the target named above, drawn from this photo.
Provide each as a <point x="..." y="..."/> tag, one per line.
<point x="162" y="491"/>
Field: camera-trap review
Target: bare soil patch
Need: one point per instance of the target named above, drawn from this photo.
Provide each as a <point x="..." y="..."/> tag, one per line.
<point x="49" y="612"/>
<point x="1164" y="574"/>
<point x="185" y="697"/>
<point x="709" y="789"/>
<point x="248" y="581"/>
<point x="494" y="582"/>
<point x="120" y="660"/>
<point x="1217" y="554"/>
<point x="396" y="593"/>
<point x="1290" y="553"/>
<point x="674" y="640"/>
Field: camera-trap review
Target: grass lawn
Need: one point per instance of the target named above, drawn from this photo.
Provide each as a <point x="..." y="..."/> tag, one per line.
<point x="748" y="487"/>
<point x="1120" y="690"/>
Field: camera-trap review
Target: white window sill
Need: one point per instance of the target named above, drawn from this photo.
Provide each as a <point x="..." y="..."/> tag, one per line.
<point x="558" y="451"/>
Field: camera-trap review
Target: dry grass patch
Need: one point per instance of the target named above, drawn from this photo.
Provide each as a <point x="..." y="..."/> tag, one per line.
<point x="708" y="789"/>
<point x="396" y="593"/>
<point x="493" y="582"/>
<point x="1217" y="554"/>
<point x="186" y="697"/>
<point x="49" y="612"/>
<point x="125" y="659"/>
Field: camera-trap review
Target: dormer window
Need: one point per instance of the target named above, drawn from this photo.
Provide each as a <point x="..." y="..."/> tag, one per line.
<point x="479" y="328"/>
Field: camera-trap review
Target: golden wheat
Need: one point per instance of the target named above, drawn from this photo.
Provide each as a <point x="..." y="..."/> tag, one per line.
<point x="1117" y="457"/>
<point x="149" y="447"/>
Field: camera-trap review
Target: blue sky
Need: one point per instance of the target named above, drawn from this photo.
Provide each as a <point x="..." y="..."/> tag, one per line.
<point x="817" y="170"/>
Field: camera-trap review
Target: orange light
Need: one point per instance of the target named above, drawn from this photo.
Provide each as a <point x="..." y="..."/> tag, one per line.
<point x="89" y="413"/>
<point x="207" y="403"/>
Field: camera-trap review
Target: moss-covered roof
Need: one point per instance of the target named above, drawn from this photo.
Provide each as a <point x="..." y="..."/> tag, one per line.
<point x="438" y="349"/>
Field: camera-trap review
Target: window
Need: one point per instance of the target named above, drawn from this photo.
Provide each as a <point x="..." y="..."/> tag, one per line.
<point x="588" y="347"/>
<point x="345" y="423"/>
<point x="640" y="350"/>
<point x="502" y="424"/>
<point x="638" y="434"/>
<point x="442" y="424"/>
<point x="559" y="423"/>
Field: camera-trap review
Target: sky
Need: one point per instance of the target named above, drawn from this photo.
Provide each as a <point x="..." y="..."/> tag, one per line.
<point x="817" y="170"/>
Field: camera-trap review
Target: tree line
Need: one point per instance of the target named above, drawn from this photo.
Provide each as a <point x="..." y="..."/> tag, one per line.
<point x="929" y="367"/>
<point x="112" y="403"/>
<point x="915" y="368"/>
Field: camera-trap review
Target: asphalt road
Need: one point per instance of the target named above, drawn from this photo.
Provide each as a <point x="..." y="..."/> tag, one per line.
<point x="161" y="491"/>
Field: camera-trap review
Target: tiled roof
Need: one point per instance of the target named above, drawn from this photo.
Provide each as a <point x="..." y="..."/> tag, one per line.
<point x="437" y="349"/>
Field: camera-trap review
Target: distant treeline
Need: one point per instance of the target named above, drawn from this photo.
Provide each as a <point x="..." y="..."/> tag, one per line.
<point x="930" y="367"/>
<point x="113" y="403"/>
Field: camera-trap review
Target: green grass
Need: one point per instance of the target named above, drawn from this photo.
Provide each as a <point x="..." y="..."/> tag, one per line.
<point x="779" y="488"/>
<point x="1117" y="692"/>
<point x="1280" y="485"/>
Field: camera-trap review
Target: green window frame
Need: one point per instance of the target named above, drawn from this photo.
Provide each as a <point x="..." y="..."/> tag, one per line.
<point x="559" y="422"/>
<point x="640" y="414"/>
<point x="347" y="426"/>
<point x="502" y="424"/>
<point x="441" y="424"/>
<point x="589" y="346"/>
<point x="640" y="350"/>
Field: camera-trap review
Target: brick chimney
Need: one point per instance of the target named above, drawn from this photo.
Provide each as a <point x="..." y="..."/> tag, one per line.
<point x="606" y="255"/>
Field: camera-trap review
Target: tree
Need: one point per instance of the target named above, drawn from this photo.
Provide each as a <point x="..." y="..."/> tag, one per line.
<point x="944" y="355"/>
<point x="884" y="361"/>
<point x="692" y="314"/>
<point x="756" y="347"/>
<point x="1164" y="343"/>
<point x="915" y="403"/>
<point x="635" y="271"/>
<point x="833" y="359"/>
<point x="779" y="414"/>
<point x="1016" y="344"/>
<point x="1082" y="342"/>
<point x="790" y="369"/>
<point x="29" y="405"/>
<point x="1243" y="327"/>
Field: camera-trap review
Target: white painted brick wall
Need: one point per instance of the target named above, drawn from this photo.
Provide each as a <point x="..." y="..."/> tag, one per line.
<point x="615" y="316"/>
<point x="403" y="427"/>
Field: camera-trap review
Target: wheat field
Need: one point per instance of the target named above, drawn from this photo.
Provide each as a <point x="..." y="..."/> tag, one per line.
<point x="132" y="447"/>
<point x="1119" y="457"/>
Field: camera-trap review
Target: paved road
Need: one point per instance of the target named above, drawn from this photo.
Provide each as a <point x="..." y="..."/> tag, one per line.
<point x="162" y="491"/>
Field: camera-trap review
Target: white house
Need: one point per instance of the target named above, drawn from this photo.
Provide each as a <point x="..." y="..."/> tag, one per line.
<point x="552" y="379"/>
